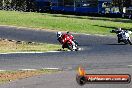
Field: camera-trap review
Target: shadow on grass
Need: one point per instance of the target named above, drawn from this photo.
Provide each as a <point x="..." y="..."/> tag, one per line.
<point x="110" y="27"/>
<point x="106" y="27"/>
<point x="95" y="18"/>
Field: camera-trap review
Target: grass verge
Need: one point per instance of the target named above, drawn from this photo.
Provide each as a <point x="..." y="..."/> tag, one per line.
<point x="80" y="24"/>
<point x="8" y="46"/>
<point x="6" y="76"/>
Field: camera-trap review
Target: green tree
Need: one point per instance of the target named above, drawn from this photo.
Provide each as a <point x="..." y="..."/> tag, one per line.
<point x="121" y="4"/>
<point x="0" y="4"/>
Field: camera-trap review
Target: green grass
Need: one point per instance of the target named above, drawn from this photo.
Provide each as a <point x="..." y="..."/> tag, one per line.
<point x="80" y="24"/>
<point x="6" y="46"/>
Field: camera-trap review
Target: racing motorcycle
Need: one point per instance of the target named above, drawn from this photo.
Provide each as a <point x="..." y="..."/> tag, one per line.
<point x="68" y="44"/>
<point x="68" y="41"/>
<point x="123" y="36"/>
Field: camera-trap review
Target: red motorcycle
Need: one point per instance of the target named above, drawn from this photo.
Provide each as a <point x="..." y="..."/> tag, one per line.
<point x="68" y="42"/>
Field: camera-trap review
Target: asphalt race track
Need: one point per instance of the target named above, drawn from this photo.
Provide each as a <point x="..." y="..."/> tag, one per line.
<point x="99" y="54"/>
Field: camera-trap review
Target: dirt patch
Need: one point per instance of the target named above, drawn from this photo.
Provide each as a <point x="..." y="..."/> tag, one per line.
<point x="22" y="46"/>
<point x="7" y="76"/>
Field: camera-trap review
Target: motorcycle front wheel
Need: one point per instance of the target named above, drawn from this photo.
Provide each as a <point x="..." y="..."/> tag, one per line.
<point x="129" y="42"/>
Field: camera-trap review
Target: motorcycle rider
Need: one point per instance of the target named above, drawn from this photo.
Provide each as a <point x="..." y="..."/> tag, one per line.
<point x="71" y="37"/>
<point x="119" y="34"/>
<point x="123" y="34"/>
<point x="61" y="37"/>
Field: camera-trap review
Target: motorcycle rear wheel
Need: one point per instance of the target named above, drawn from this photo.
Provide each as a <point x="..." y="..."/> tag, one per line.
<point x="69" y="46"/>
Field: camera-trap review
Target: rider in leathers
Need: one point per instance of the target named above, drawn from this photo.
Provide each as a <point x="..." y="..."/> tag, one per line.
<point x="119" y="34"/>
<point x="122" y="34"/>
<point x="62" y="38"/>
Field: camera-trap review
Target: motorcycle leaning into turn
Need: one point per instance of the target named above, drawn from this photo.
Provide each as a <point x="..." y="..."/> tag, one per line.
<point x="123" y="36"/>
<point x="67" y="41"/>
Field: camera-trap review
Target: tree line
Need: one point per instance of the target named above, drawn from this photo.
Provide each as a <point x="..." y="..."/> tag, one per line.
<point x="30" y="5"/>
<point x="20" y="5"/>
<point x="122" y="3"/>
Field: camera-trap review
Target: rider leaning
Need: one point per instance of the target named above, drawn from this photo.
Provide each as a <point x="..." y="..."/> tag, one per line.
<point x="123" y="34"/>
<point x="62" y="37"/>
<point x="71" y="37"/>
<point x="119" y="33"/>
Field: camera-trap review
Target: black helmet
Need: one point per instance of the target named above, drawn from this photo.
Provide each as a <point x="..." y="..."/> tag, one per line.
<point x="68" y="32"/>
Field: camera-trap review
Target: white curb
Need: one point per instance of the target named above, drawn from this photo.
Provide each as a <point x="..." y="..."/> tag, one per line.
<point x="34" y="52"/>
<point x="50" y="68"/>
<point x="2" y="70"/>
<point x="27" y="69"/>
<point x="28" y="52"/>
<point x="129" y="65"/>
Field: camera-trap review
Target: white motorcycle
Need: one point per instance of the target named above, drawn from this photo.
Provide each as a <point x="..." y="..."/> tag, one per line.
<point x="123" y="36"/>
<point x="126" y="38"/>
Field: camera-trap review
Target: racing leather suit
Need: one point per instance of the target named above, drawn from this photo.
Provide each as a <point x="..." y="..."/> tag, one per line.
<point x="63" y="39"/>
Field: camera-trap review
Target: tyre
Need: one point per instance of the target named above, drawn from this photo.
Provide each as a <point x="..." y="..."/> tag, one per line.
<point x="119" y="40"/>
<point x="129" y="42"/>
<point x="126" y="41"/>
<point x="69" y="46"/>
<point x="77" y="48"/>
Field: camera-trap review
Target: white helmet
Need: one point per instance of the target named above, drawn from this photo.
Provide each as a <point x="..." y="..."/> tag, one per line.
<point x="119" y="29"/>
<point x="59" y="34"/>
